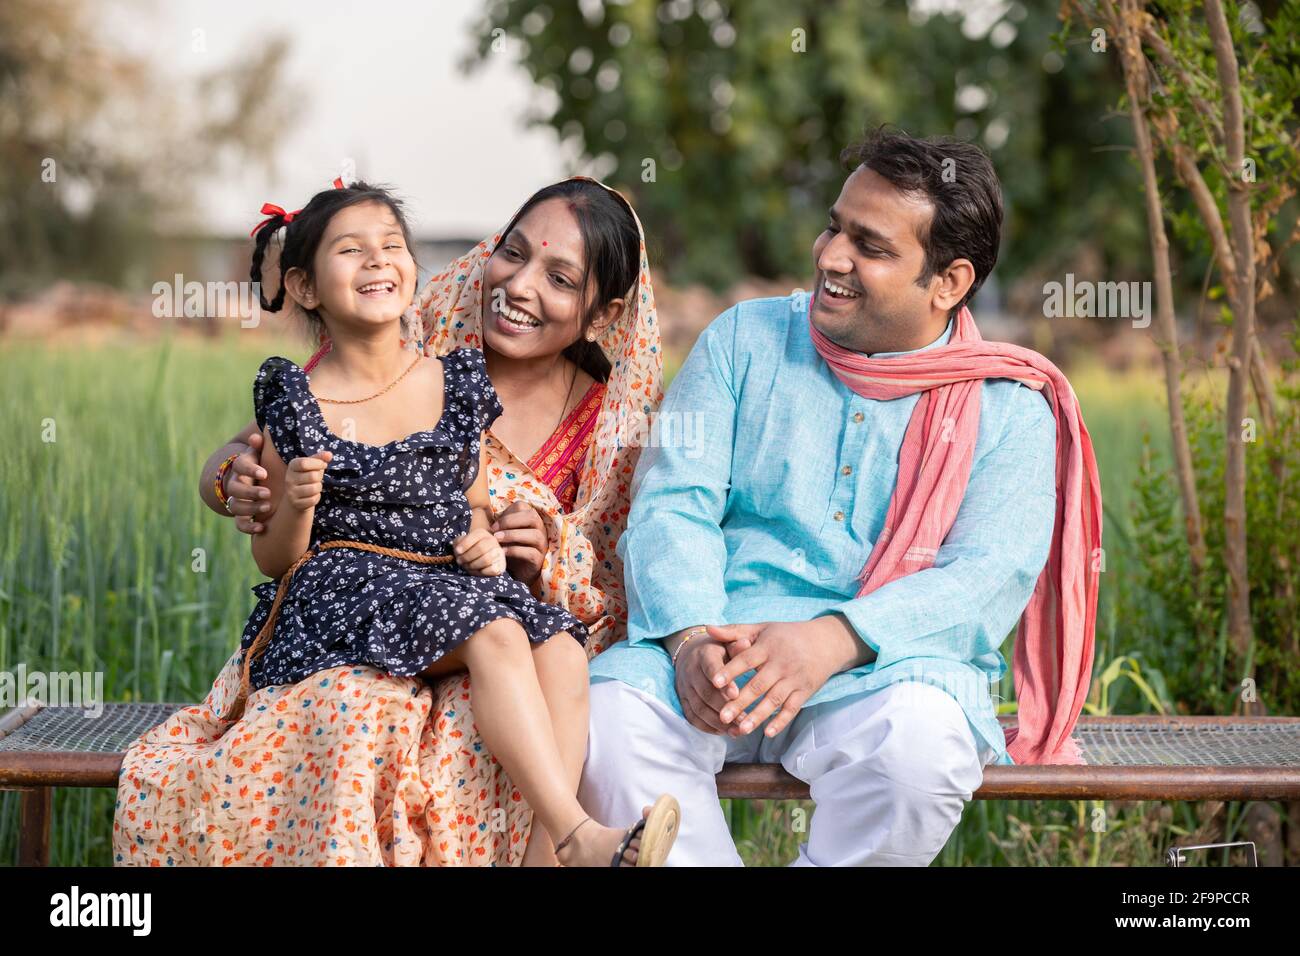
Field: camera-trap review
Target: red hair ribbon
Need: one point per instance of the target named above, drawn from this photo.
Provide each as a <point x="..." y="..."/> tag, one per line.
<point x="272" y="210"/>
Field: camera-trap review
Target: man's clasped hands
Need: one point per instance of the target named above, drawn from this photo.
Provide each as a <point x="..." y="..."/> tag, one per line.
<point x="791" y="661"/>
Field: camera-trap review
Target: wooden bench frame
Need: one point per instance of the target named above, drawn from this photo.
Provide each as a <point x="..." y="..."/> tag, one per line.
<point x="36" y="773"/>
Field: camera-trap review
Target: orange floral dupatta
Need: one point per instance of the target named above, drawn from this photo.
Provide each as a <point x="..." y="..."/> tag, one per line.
<point x="351" y="766"/>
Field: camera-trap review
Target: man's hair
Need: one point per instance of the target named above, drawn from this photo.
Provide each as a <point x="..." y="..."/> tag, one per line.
<point x="959" y="181"/>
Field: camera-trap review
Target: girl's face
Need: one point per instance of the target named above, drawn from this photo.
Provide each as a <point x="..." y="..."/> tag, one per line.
<point x="364" y="273"/>
<point x="532" y="303"/>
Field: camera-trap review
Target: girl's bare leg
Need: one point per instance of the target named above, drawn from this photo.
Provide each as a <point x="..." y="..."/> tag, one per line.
<point x="512" y="715"/>
<point x="561" y="665"/>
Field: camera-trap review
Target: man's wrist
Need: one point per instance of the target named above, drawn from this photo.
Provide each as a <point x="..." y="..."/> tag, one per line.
<point x="848" y="650"/>
<point x="675" y="643"/>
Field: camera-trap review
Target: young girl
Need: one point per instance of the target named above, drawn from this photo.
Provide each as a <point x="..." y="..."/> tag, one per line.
<point x="380" y="539"/>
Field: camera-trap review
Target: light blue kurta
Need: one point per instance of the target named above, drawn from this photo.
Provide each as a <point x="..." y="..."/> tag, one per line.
<point x="767" y="480"/>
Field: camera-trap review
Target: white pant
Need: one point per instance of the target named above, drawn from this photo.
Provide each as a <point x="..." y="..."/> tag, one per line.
<point x="890" y="772"/>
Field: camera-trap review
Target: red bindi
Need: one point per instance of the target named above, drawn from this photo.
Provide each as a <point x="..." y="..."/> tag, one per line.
<point x="543" y="242"/>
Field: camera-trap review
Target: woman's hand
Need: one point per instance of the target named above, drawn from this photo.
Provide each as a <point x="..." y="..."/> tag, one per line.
<point x="479" y="553"/>
<point x="522" y="535"/>
<point x="249" y="502"/>
<point x="304" y="479"/>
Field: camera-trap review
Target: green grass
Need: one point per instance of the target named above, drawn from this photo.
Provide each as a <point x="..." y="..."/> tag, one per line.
<point x="111" y="563"/>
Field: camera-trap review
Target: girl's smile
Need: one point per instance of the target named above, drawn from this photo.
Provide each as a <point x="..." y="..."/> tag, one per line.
<point x="364" y="272"/>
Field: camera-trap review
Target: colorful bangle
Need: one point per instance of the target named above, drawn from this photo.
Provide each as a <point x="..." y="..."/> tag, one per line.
<point x="698" y="629"/>
<point x="219" y="485"/>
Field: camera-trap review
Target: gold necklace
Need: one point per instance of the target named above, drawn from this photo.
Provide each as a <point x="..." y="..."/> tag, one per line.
<point x="357" y="401"/>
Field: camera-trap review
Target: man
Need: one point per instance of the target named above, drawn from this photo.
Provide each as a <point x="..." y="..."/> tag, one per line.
<point x="749" y="638"/>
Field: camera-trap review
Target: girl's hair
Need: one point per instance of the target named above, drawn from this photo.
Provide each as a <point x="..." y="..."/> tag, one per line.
<point x="302" y="236"/>
<point x="613" y="245"/>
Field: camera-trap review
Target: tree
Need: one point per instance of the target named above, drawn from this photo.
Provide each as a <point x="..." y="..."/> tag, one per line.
<point x="96" y="146"/>
<point x="724" y="120"/>
<point x="1192" y="94"/>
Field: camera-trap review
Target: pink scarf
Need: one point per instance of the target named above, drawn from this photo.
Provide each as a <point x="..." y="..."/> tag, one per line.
<point x="1054" y="647"/>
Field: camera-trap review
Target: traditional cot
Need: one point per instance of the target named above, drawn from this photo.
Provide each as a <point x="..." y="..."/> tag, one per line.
<point x="1129" y="758"/>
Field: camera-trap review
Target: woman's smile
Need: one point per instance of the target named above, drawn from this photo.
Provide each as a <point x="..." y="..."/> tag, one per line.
<point x="513" y="320"/>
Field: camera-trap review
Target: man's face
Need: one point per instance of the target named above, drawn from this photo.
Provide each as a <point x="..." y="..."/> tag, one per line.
<point x="867" y="260"/>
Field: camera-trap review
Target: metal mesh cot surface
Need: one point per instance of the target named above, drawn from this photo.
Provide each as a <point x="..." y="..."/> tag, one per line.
<point x="77" y="730"/>
<point x="1104" y="741"/>
<point x="1244" y="742"/>
<point x="1128" y="758"/>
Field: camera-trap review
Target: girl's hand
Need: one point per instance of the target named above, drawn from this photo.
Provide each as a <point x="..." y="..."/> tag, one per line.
<point x="479" y="553"/>
<point x="522" y="535"/>
<point x="303" y="480"/>
<point x="250" y="503"/>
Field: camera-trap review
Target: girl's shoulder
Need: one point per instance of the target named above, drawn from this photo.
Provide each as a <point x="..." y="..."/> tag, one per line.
<point x="277" y="376"/>
<point x="468" y="370"/>
<point x="465" y="359"/>
<point x="277" y="366"/>
<point x="278" y="390"/>
<point x="469" y="382"/>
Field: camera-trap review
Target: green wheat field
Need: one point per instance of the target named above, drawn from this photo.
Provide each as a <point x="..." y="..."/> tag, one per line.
<point x="101" y="521"/>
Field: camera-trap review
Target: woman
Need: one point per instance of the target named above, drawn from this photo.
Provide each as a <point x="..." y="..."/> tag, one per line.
<point x="354" y="767"/>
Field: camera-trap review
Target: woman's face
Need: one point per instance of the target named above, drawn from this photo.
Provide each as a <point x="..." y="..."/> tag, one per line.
<point x="532" y="303"/>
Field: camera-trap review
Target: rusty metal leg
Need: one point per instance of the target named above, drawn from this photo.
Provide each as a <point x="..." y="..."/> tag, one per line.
<point x="34" y="827"/>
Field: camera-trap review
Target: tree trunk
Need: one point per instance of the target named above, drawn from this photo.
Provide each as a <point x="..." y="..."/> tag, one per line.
<point x="1224" y="253"/>
<point x="1243" y="328"/>
<point x="1166" y="331"/>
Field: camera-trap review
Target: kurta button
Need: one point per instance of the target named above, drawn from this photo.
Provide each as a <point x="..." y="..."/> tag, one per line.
<point x="839" y="516"/>
<point x="857" y="416"/>
<point x="846" y="470"/>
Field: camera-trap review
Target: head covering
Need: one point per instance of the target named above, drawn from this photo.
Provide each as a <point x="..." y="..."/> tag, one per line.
<point x="1054" y="648"/>
<point x="581" y="572"/>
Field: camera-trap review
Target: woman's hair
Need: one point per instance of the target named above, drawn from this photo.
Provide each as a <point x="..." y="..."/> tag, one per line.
<point x="613" y="246"/>
<point x="302" y="236"/>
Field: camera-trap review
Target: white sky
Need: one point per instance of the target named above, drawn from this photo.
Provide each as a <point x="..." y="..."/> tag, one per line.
<point x="375" y="75"/>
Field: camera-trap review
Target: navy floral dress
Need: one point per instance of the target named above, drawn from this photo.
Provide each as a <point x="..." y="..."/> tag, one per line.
<point x="347" y="606"/>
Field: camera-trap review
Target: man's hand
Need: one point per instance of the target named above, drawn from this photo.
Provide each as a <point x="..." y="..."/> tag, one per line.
<point x="793" y="660"/>
<point x="250" y="503"/>
<point x="697" y="662"/>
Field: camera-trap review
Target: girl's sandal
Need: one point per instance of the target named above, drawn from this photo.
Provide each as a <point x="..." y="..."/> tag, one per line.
<point x="657" y="831"/>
